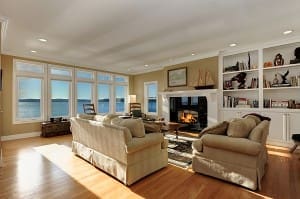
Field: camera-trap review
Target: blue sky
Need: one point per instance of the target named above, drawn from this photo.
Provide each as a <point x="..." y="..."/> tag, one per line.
<point x="29" y="88"/>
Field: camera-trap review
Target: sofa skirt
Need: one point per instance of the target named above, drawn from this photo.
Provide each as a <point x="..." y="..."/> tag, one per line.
<point x="246" y="177"/>
<point x="128" y="174"/>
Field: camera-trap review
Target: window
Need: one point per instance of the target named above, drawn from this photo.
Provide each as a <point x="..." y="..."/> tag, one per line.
<point x="121" y="78"/>
<point x="120" y="97"/>
<point x="29" y="104"/>
<point x="84" y="95"/>
<point x="150" y="100"/>
<point x="43" y="90"/>
<point x="60" y="72"/>
<point x="60" y="98"/>
<point x="84" y="75"/>
<point x="29" y="67"/>
<point x="104" y="98"/>
<point x="29" y="98"/>
<point x="104" y="77"/>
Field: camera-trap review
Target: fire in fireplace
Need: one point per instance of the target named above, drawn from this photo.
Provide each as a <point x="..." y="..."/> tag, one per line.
<point x="188" y="116"/>
<point x="189" y="110"/>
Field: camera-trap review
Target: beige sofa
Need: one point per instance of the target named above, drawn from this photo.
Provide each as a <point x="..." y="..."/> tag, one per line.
<point x="239" y="159"/>
<point x="114" y="150"/>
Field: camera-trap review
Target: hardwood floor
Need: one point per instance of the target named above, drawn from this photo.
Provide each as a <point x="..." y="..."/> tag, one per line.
<point x="46" y="168"/>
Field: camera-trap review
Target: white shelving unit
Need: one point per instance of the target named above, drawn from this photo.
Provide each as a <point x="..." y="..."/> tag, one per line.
<point x="284" y="121"/>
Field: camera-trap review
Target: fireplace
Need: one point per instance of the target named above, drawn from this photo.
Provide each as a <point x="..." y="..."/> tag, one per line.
<point x="191" y="111"/>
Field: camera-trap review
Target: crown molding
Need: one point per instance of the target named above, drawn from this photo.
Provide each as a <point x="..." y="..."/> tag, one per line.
<point x="4" y="24"/>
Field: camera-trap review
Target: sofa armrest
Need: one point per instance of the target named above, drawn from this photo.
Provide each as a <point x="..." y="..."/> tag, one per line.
<point x="240" y="145"/>
<point x="138" y="144"/>
<point x="197" y="145"/>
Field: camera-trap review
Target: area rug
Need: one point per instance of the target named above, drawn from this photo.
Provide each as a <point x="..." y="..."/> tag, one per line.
<point x="179" y="150"/>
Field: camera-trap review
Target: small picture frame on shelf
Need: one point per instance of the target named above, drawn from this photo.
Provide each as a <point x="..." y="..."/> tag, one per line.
<point x="177" y="77"/>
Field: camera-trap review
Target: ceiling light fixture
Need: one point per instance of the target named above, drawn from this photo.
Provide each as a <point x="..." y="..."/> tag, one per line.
<point x="146" y="65"/>
<point x="33" y="51"/>
<point x="193" y="54"/>
<point x="232" y="45"/>
<point x="287" y="32"/>
<point x="42" y="40"/>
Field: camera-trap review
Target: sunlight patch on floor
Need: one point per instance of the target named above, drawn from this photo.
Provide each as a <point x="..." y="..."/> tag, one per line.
<point x="63" y="158"/>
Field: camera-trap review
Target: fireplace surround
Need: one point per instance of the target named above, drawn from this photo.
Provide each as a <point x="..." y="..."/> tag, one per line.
<point x="211" y="97"/>
<point x="191" y="111"/>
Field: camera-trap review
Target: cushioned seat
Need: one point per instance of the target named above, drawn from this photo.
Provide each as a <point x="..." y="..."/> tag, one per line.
<point x="234" y="151"/>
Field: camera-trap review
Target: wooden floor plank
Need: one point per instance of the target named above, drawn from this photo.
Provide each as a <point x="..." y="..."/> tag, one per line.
<point x="46" y="168"/>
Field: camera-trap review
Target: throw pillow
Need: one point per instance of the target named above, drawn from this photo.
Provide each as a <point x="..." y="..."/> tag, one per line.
<point x="257" y="133"/>
<point x="255" y="118"/>
<point x="99" y="118"/>
<point x="240" y="128"/>
<point x="85" y="116"/>
<point x="136" y="126"/>
<point x="218" y="129"/>
<point x="107" y="118"/>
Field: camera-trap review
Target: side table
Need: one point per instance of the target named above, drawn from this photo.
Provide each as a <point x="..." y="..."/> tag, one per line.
<point x="55" y="128"/>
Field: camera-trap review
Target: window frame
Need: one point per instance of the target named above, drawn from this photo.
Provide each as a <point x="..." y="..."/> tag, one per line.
<point x="15" y="93"/>
<point x="46" y="78"/>
<point x="59" y="78"/>
<point x="84" y="80"/>
<point x="146" y="84"/>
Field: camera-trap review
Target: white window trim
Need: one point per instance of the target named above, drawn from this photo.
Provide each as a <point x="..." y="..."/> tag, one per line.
<point x="27" y="74"/>
<point x="146" y="98"/>
<point x="46" y="77"/>
<point x="60" y="78"/>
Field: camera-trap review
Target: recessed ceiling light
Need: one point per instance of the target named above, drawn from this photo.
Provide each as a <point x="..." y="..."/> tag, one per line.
<point x="146" y="65"/>
<point x="193" y="54"/>
<point x="287" y="32"/>
<point x="42" y="40"/>
<point x="33" y="51"/>
<point x="232" y="45"/>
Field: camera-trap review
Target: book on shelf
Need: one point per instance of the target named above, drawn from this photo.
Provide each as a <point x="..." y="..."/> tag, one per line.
<point x="271" y="103"/>
<point x="239" y="102"/>
<point x="254" y="83"/>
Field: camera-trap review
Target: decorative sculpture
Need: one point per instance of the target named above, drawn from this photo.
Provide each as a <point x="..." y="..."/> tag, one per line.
<point x="283" y="77"/>
<point x="278" y="61"/>
<point x="297" y="55"/>
<point x="240" y="78"/>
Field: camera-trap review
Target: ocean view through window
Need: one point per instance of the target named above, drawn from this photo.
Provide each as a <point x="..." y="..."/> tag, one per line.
<point x="29" y="98"/>
<point x="150" y="92"/>
<point x="46" y="90"/>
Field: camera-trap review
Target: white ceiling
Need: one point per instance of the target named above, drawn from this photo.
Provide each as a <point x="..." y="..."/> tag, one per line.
<point x="122" y="36"/>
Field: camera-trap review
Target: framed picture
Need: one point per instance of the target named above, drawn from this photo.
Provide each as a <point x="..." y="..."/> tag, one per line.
<point x="177" y="77"/>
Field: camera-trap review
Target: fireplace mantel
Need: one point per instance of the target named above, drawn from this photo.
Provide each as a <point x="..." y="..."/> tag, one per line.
<point x="187" y="93"/>
<point x="210" y="94"/>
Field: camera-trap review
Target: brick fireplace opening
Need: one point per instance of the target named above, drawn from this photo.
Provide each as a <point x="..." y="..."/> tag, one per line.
<point x="191" y="111"/>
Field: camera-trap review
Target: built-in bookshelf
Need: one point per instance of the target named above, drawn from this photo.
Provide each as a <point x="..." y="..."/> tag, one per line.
<point x="264" y="86"/>
<point x="239" y="94"/>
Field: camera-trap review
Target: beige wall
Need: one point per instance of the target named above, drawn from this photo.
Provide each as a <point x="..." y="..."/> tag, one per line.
<point x="8" y="127"/>
<point x="138" y="85"/>
<point x="193" y="67"/>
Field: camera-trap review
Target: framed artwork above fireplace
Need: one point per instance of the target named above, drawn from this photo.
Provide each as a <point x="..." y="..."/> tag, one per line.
<point x="177" y="77"/>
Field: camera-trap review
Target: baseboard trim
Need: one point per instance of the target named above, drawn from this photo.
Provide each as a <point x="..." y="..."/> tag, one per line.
<point x="20" y="136"/>
<point x="280" y="143"/>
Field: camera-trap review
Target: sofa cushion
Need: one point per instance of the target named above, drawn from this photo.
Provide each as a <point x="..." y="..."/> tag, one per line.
<point x="255" y="118"/>
<point x="107" y="118"/>
<point x="218" y="129"/>
<point x="257" y="133"/>
<point x="240" y="127"/>
<point x="99" y="118"/>
<point x="136" y="126"/>
<point x="85" y="116"/>
<point x="240" y="145"/>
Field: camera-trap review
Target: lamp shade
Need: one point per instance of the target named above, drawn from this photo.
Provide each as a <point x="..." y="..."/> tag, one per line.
<point x="131" y="98"/>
